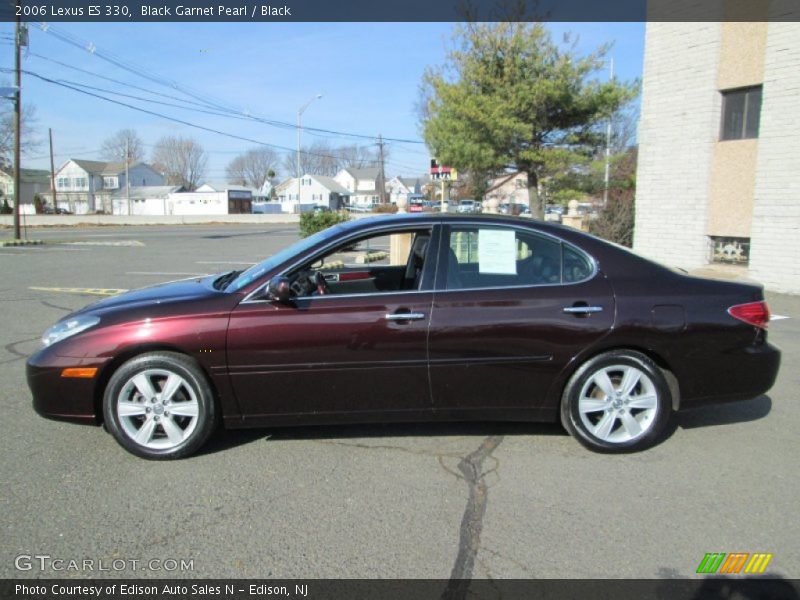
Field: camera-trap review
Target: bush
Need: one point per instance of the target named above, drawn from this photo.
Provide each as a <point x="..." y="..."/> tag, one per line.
<point x="38" y="205"/>
<point x="311" y="222"/>
<point x="385" y="208"/>
<point x="615" y="222"/>
<point x="5" y="209"/>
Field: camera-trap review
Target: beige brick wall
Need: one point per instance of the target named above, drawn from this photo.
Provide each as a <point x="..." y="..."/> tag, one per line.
<point x="775" y="239"/>
<point x="678" y="130"/>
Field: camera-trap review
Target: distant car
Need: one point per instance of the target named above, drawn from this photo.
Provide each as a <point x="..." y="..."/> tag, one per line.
<point x="512" y="208"/>
<point x="467" y="206"/>
<point x="321" y="209"/>
<point x="48" y="210"/>
<point x="481" y="318"/>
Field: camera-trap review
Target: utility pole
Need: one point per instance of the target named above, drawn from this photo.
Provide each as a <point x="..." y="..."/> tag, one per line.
<point x="127" y="177"/>
<point x="52" y="173"/>
<point x="381" y="172"/>
<point x="300" y="112"/>
<point x="18" y="41"/>
<point x="608" y="142"/>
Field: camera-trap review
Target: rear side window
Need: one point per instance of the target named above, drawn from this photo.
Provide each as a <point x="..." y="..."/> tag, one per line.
<point x="500" y="257"/>
<point x="576" y="265"/>
<point x="481" y="257"/>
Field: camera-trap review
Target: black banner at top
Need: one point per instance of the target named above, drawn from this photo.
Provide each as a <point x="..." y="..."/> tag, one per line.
<point x="397" y="10"/>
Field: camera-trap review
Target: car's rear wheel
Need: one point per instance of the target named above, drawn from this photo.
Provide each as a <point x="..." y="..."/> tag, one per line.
<point x="619" y="401"/>
<point x="159" y="406"/>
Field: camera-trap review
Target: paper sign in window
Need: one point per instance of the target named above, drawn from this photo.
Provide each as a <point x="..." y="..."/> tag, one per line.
<point x="497" y="252"/>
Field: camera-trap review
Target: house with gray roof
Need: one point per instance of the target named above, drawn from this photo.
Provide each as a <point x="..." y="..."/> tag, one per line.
<point x="362" y="185"/>
<point x="32" y="182"/>
<point x="314" y="190"/>
<point x="88" y="186"/>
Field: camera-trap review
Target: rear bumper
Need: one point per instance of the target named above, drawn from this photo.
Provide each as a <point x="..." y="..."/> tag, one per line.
<point x="63" y="398"/>
<point x="747" y="373"/>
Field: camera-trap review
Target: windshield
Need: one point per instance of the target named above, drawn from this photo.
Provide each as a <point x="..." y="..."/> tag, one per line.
<point x="259" y="269"/>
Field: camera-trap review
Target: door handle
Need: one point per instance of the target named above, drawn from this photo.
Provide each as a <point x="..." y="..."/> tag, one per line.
<point x="582" y="310"/>
<point x="331" y="277"/>
<point x="406" y="316"/>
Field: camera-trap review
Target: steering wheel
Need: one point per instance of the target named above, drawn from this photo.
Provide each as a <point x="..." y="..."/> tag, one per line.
<point x="322" y="285"/>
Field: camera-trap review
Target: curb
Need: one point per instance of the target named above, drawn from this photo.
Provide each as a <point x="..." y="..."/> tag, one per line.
<point x="21" y="243"/>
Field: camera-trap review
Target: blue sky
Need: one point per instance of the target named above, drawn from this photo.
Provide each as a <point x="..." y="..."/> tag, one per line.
<point x="368" y="73"/>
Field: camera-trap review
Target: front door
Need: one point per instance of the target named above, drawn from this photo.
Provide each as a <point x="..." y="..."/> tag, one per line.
<point x="359" y="348"/>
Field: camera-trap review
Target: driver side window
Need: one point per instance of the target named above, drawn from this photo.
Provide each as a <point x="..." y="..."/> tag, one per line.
<point x="385" y="262"/>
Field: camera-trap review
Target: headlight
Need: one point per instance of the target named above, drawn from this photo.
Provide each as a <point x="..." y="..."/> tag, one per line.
<point x="70" y="327"/>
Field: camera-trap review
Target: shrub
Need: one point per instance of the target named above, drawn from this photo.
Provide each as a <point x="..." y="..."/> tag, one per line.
<point x="5" y="209"/>
<point x="38" y="205"/>
<point x="615" y="222"/>
<point x="312" y="222"/>
<point x="385" y="208"/>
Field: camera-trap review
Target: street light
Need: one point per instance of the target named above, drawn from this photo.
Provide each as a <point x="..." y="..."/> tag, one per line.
<point x="300" y="112"/>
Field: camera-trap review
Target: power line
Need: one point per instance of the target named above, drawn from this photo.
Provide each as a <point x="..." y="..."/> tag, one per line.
<point x="170" y="118"/>
<point x="147" y="74"/>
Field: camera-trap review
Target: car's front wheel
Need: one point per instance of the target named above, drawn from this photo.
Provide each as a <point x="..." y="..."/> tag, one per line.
<point x="159" y="406"/>
<point x="619" y="401"/>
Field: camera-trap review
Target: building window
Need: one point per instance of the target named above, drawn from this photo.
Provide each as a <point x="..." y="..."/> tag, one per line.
<point x="80" y="183"/>
<point x="730" y="250"/>
<point x="741" y="112"/>
<point x="110" y="183"/>
<point x="62" y="183"/>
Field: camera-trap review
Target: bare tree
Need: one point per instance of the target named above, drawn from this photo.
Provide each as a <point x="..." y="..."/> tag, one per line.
<point x="320" y="158"/>
<point x="28" y="141"/>
<point x="113" y="147"/>
<point x="253" y="167"/>
<point x="181" y="160"/>
<point x="317" y="159"/>
<point x="358" y="157"/>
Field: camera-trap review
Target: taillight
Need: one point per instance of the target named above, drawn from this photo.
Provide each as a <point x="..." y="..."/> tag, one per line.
<point x="752" y="313"/>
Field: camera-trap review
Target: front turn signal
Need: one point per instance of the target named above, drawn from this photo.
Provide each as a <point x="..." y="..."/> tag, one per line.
<point x="80" y="372"/>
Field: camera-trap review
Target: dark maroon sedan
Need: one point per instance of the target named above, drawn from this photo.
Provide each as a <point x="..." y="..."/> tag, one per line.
<point x="411" y="318"/>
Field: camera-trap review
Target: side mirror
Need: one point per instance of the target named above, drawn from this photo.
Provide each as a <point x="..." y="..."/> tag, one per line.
<point x="279" y="290"/>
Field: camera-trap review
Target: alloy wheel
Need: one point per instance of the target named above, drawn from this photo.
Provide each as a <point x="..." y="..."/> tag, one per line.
<point x="157" y="409"/>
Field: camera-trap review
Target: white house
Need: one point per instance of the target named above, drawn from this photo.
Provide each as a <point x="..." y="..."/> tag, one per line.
<point x="314" y="190"/>
<point x="87" y="185"/>
<point x="400" y="188"/>
<point x="361" y="184"/>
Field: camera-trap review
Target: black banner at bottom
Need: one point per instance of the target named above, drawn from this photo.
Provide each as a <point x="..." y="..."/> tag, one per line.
<point x="773" y="588"/>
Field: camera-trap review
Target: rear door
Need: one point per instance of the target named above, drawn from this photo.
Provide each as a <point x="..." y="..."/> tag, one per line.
<point x="512" y="308"/>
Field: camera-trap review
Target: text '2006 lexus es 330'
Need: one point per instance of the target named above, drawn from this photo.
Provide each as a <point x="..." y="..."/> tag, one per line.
<point x="411" y="318"/>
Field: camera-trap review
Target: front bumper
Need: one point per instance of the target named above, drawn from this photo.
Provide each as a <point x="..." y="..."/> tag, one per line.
<point x="63" y="398"/>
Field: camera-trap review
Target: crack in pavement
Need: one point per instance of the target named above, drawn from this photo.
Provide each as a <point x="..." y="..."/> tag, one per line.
<point x="471" y="467"/>
<point x="415" y="451"/>
<point x="11" y="348"/>
<point x="56" y="306"/>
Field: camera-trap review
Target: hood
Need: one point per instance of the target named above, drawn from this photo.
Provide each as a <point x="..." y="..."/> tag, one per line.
<point x="157" y="295"/>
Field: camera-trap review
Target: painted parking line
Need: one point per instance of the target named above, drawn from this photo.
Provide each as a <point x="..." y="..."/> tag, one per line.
<point x="159" y="273"/>
<point x="223" y="262"/>
<point x="116" y="243"/>
<point x="82" y="291"/>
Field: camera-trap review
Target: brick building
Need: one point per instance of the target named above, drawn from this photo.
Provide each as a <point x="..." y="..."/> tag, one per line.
<point x="719" y="146"/>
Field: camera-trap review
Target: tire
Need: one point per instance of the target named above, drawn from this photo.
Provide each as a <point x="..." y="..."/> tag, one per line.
<point x="617" y="402"/>
<point x="160" y="406"/>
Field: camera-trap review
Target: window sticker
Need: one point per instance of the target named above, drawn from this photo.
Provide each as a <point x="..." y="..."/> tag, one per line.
<point x="497" y="252"/>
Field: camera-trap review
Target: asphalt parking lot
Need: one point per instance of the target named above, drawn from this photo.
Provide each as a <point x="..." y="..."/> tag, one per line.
<point x="391" y="501"/>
